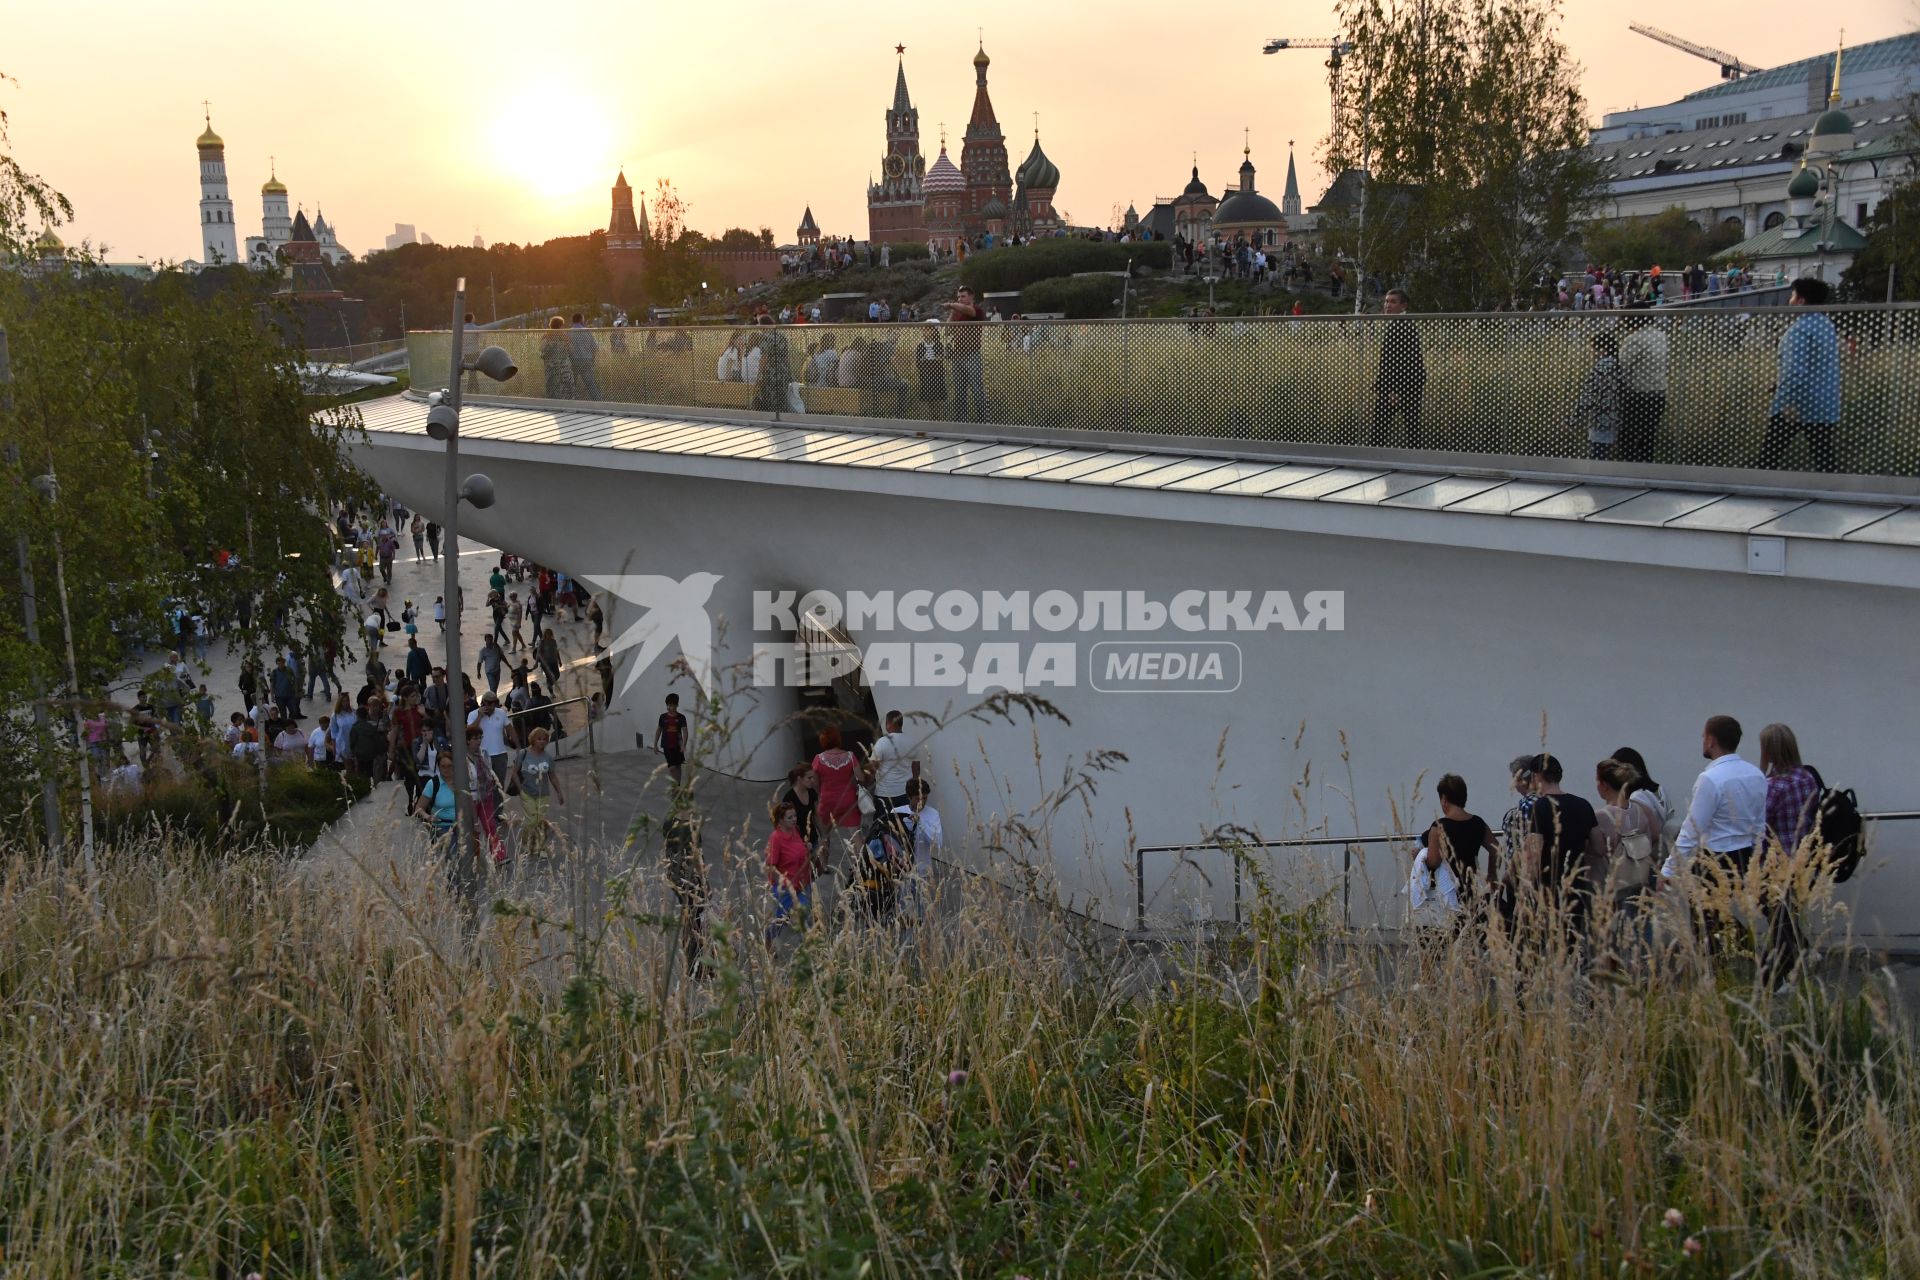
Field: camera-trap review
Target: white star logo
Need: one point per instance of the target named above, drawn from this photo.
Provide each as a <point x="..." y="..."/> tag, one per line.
<point x="674" y="610"/>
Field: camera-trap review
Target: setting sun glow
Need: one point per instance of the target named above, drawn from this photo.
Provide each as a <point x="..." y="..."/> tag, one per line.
<point x="554" y="138"/>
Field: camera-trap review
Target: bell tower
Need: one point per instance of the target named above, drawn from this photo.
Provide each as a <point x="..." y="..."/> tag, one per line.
<point x="219" y="238"/>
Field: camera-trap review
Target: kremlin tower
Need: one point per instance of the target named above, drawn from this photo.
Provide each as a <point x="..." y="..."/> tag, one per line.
<point x="218" y="237"/>
<point x="983" y="159"/>
<point x="896" y="204"/>
<point x="944" y="204"/>
<point x="624" y="231"/>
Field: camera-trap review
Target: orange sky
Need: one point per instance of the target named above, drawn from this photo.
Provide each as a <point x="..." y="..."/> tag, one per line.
<point x="754" y="109"/>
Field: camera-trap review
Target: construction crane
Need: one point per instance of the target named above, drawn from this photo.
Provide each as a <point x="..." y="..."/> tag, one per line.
<point x="1337" y="50"/>
<point x="1731" y="68"/>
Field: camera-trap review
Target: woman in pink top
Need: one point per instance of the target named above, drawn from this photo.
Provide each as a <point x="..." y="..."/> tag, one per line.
<point x="789" y="868"/>
<point x="838" y="770"/>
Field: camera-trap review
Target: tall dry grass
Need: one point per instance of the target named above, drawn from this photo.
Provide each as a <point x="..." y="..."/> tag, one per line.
<point x="217" y="1069"/>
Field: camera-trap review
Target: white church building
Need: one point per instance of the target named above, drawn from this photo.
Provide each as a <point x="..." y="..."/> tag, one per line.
<point x="219" y="236"/>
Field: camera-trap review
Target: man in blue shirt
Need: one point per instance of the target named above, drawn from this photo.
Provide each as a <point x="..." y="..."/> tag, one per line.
<point x="1807" y="393"/>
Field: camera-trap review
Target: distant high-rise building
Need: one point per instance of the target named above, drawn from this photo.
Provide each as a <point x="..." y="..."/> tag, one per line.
<point x="403" y="233"/>
<point x="219" y="239"/>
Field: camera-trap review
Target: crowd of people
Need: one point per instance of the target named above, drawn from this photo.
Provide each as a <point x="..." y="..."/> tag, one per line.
<point x="1597" y="869"/>
<point x="385" y="714"/>
<point x="1604" y="288"/>
<point x="872" y="812"/>
<point x="1621" y="402"/>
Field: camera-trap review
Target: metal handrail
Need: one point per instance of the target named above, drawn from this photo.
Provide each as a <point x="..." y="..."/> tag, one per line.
<point x="1346" y="869"/>
<point x="1500" y="390"/>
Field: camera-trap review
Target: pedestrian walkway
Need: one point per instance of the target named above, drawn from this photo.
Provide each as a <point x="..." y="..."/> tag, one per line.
<point x="418" y="581"/>
<point x="607" y="861"/>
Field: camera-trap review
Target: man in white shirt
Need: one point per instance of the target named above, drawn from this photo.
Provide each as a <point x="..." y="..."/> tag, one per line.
<point x="893" y="764"/>
<point x="317" y="742"/>
<point x="1725" y="819"/>
<point x="496" y="733"/>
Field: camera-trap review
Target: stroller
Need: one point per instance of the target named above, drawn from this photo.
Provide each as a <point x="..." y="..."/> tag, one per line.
<point x="875" y="871"/>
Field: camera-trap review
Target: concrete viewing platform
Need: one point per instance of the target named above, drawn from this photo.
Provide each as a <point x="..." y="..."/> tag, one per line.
<point x="1364" y="620"/>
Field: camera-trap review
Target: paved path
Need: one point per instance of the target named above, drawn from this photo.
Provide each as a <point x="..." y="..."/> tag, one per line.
<point x="606" y="863"/>
<point x="420" y="582"/>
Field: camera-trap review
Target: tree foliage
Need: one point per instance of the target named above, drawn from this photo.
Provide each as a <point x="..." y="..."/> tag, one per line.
<point x="1892" y="249"/>
<point x="1670" y="239"/>
<point x="1475" y="133"/>
<point x="174" y="420"/>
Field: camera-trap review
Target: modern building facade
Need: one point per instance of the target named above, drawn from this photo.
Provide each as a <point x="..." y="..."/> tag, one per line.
<point x="1727" y="152"/>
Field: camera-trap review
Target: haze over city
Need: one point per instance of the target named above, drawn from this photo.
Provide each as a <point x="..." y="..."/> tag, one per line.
<point x="753" y="117"/>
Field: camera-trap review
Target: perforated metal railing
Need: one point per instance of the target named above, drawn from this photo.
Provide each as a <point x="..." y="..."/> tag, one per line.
<point x="1682" y="388"/>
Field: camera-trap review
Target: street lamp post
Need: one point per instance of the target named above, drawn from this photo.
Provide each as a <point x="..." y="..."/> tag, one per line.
<point x="443" y="423"/>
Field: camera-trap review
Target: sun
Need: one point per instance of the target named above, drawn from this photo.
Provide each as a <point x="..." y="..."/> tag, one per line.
<point x="554" y="138"/>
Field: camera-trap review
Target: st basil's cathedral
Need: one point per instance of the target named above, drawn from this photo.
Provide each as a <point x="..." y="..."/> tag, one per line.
<point x="942" y="204"/>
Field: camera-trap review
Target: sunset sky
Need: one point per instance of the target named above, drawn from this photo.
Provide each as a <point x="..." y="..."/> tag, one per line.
<point x="511" y="119"/>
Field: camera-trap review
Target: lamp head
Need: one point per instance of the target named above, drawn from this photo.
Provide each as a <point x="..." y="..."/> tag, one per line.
<point x="496" y="364"/>
<point x="442" y="422"/>
<point x="478" y="491"/>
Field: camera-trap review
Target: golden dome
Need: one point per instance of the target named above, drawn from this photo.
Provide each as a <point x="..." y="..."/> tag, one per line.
<point x="981" y="59"/>
<point x="49" y="243"/>
<point x="210" y="138"/>
<point x="273" y="186"/>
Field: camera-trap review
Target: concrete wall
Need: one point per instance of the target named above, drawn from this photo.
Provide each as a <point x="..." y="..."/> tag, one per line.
<point x="1452" y="658"/>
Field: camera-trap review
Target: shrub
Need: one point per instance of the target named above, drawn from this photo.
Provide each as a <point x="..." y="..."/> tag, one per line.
<point x="219" y="803"/>
<point x="1017" y="266"/>
<point x="1078" y="297"/>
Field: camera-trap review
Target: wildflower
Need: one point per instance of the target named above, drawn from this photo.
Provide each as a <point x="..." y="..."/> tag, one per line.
<point x="956" y="1078"/>
<point x="1675" y="1219"/>
<point x="1692" y="1247"/>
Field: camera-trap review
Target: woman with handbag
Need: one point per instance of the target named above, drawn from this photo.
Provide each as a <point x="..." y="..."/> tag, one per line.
<point x="1629" y="822"/>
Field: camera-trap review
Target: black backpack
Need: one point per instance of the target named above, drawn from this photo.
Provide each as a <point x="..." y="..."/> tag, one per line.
<point x="1837" y="823"/>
